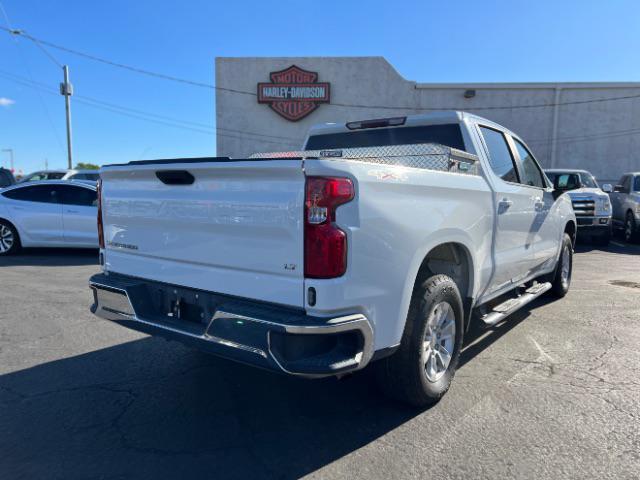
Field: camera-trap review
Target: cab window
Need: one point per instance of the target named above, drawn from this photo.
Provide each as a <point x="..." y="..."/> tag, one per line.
<point x="530" y="172"/>
<point x="500" y="157"/>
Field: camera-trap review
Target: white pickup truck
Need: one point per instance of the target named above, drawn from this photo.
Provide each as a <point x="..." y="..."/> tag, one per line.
<point x="379" y="242"/>
<point x="591" y="203"/>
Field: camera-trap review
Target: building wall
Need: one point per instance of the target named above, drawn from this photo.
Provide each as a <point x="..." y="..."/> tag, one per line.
<point x="600" y="136"/>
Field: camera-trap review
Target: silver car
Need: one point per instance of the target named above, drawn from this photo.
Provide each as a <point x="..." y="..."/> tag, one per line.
<point x="626" y="206"/>
<point x="73" y="174"/>
<point x="49" y="213"/>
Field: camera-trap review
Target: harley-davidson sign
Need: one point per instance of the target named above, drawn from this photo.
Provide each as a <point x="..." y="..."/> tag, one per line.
<point x="294" y="93"/>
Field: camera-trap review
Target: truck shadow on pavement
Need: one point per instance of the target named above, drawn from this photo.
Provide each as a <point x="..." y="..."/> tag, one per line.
<point x="151" y="409"/>
<point x="51" y="257"/>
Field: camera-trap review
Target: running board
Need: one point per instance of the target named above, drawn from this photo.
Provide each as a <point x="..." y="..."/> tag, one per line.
<point x="505" y="309"/>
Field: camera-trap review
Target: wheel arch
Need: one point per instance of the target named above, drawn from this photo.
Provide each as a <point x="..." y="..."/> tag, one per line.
<point x="571" y="229"/>
<point x="453" y="257"/>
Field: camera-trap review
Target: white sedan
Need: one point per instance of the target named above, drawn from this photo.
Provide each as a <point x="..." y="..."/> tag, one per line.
<point x="48" y="214"/>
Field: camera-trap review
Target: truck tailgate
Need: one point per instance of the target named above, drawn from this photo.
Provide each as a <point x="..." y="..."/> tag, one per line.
<point x="237" y="229"/>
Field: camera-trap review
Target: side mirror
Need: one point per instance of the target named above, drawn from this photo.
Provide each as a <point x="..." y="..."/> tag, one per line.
<point x="618" y="188"/>
<point x="566" y="182"/>
<point x="607" y="188"/>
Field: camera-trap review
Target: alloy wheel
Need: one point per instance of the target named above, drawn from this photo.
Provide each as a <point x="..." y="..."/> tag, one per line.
<point x="439" y="341"/>
<point x="6" y="239"/>
<point x="565" y="272"/>
<point x="628" y="229"/>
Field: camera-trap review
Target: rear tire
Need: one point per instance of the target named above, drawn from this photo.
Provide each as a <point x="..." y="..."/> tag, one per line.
<point x="630" y="229"/>
<point x="421" y="370"/>
<point x="562" y="276"/>
<point x="9" y="239"/>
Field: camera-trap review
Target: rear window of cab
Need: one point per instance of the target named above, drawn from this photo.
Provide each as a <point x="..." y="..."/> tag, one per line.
<point x="444" y="134"/>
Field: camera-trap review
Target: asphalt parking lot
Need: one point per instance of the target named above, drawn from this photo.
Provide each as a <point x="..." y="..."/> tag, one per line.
<point x="552" y="393"/>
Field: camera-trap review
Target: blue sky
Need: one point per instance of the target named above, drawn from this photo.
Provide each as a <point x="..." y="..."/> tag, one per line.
<point x="427" y="41"/>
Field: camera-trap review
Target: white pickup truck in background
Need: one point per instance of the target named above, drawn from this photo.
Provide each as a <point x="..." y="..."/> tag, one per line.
<point x="591" y="203"/>
<point x="379" y="242"/>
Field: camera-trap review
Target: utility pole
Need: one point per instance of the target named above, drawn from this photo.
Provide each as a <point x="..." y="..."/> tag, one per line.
<point x="10" y="151"/>
<point x="66" y="89"/>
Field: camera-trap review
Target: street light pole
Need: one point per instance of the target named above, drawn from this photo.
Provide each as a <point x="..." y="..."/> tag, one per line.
<point x="66" y="89"/>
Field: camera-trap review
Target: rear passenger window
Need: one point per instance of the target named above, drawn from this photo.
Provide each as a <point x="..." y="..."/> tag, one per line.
<point x="39" y="193"/>
<point x="530" y="174"/>
<point x="636" y="184"/>
<point x="499" y="155"/>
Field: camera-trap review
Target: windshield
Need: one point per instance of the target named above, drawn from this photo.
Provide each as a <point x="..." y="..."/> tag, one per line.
<point x="586" y="179"/>
<point x="447" y="134"/>
<point x="55" y="175"/>
<point x="43" y="176"/>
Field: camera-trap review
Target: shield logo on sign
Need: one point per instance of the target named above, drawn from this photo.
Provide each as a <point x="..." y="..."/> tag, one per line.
<point x="293" y="92"/>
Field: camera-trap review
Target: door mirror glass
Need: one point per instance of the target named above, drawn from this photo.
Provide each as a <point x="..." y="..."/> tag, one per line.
<point x="566" y="181"/>
<point x="607" y="188"/>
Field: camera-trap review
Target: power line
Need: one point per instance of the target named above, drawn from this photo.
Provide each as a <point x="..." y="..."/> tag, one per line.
<point x="176" y="123"/>
<point x="142" y="71"/>
<point x="203" y="128"/>
<point x="495" y="107"/>
<point x="46" y="52"/>
<point x="585" y="138"/>
<point x="25" y="64"/>
<point x="143" y="115"/>
<point x="335" y="104"/>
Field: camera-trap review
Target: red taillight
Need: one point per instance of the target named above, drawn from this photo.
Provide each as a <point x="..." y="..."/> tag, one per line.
<point x="100" y="229"/>
<point x="325" y="245"/>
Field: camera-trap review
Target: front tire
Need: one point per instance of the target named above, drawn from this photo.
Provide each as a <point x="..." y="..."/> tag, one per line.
<point x="421" y="370"/>
<point x="604" y="239"/>
<point x="9" y="239"/>
<point x="562" y="277"/>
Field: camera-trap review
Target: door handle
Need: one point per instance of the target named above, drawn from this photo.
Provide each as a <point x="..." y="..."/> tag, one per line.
<point x="538" y="204"/>
<point x="71" y="211"/>
<point x="505" y="203"/>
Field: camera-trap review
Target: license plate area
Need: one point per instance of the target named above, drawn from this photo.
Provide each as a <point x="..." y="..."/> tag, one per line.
<point x="180" y="304"/>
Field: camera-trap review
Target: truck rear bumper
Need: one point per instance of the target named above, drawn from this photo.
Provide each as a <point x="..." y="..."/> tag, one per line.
<point x="264" y="335"/>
